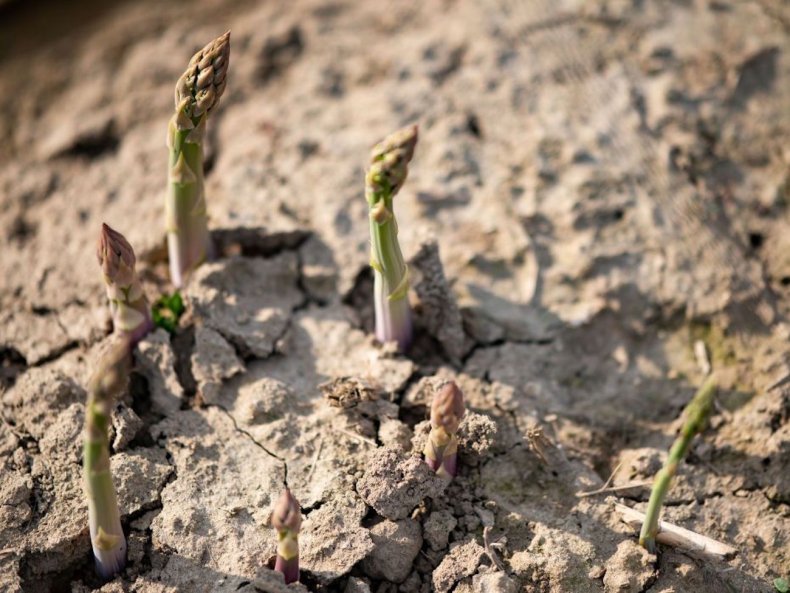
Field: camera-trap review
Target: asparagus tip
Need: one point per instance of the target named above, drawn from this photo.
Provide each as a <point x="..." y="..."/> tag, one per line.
<point x="287" y="512"/>
<point x="441" y="450"/>
<point x="113" y="251"/>
<point x="287" y="519"/>
<point x="389" y="161"/>
<point x="203" y="82"/>
<point x="447" y="408"/>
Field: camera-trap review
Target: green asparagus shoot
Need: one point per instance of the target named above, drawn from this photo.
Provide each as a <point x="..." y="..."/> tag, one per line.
<point x="441" y="450"/>
<point x="696" y="415"/>
<point x="129" y="307"/>
<point x="167" y="310"/>
<point x="104" y="519"/>
<point x="782" y="585"/>
<point x="386" y="175"/>
<point x="197" y="93"/>
<point x="287" y="519"/>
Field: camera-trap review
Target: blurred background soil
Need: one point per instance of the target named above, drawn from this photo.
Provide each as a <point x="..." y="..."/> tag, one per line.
<point x="608" y="185"/>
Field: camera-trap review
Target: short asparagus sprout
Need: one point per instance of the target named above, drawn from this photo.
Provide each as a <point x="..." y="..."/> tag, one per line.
<point x="104" y="518"/>
<point x="130" y="312"/>
<point x="696" y="415"/>
<point x="387" y="173"/>
<point x="441" y="450"/>
<point x="197" y="93"/>
<point x="287" y="519"/>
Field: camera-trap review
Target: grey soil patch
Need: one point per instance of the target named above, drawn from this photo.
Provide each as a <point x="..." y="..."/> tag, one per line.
<point x="596" y="189"/>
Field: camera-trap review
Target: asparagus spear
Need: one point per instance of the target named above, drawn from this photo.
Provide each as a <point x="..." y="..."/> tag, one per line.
<point x="197" y="92"/>
<point x="104" y="519"/>
<point x="130" y="312"/>
<point x="441" y="450"/>
<point x="287" y="519"/>
<point x="696" y="414"/>
<point x="388" y="171"/>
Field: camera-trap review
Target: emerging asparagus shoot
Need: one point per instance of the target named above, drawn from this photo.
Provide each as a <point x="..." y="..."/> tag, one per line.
<point x="387" y="173"/>
<point x="696" y="414"/>
<point x="130" y="313"/>
<point x="441" y="450"/>
<point x="287" y="519"/>
<point x="104" y="519"/>
<point x="197" y="92"/>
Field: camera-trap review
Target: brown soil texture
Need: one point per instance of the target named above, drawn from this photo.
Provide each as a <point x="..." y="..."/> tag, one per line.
<point x="598" y="188"/>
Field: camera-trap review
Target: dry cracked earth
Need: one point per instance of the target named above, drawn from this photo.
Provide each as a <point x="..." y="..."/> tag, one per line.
<point x="599" y="187"/>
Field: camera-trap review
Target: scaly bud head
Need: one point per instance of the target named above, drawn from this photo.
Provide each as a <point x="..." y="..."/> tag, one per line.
<point x="287" y="519"/>
<point x="441" y="448"/>
<point x="128" y="304"/>
<point x="203" y="82"/>
<point x="197" y="93"/>
<point x="116" y="256"/>
<point x="447" y="408"/>
<point x="389" y="161"/>
<point x="287" y="513"/>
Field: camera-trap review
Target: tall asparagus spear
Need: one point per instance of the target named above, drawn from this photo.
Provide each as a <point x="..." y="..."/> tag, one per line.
<point x="130" y="312"/>
<point x="388" y="171"/>
<point x="287" y="519"/>
<point x="197" y="92"/>
<point x="104" y="519"/>
<point x="441" y="450"/>
<point x="696" y="414"/>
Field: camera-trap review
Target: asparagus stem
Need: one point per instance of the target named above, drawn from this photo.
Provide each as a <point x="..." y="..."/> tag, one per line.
<point x="441" y="450"/>
<point x="130" y="312"/>
<point x="197" y="92"/>
<point x="104" y="518"/>
<point x="287" y="519"/>
<point x="696" y="414"/>
<point x="387" y="173"/>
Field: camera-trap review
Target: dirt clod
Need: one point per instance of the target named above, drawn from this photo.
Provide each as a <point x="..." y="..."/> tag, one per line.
<point x="393" y="484"/>
<point x="396" y="543"/>
<point x="630" y="569"/>
<point x="462" y="561"/>
<point x="437" y="529"/>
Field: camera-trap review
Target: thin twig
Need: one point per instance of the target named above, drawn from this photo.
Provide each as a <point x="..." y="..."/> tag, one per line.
<point x="604" y="489"/>
<point x="701" y="354"/>
<point x="678" y="537"/>
<point x="490" y="548"/>
<point x="359" y="437"/>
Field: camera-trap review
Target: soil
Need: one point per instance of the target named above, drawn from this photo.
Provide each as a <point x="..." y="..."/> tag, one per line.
<point x="596" y="210"/>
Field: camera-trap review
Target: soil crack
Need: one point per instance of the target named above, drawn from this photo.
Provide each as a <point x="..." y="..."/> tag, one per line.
<point x="252" y="438"/>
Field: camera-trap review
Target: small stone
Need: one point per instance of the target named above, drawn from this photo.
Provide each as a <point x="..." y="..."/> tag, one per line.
<point x="396" y="546"/>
